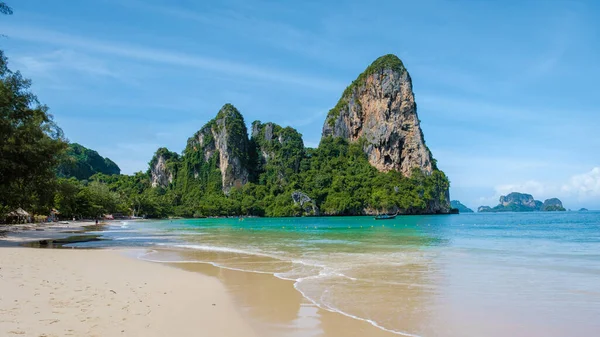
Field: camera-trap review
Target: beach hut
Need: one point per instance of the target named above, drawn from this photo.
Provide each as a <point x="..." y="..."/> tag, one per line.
<point x="18" y="216"/>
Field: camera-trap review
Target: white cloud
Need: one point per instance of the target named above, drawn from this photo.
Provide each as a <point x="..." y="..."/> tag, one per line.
<point x="63" y="60"/>
<point x="163" y="56"/>
<point x="580" y="188"/>
<point x="584" y="186"/>
<point x="535" y="188"/>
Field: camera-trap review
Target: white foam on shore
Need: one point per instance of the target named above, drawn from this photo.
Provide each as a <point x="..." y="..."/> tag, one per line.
<point x="325" y="272"/>
<point x="370" y="321"/>
<point x="218" y="249"/>
<point x="141" y="238"/>
<point x="214" y="264"/>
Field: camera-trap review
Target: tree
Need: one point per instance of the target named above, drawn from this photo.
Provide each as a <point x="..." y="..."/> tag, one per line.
<point x="30" y="144"/>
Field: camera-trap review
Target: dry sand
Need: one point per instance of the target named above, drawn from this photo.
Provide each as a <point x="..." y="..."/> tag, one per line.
<point x="53" y="292"/>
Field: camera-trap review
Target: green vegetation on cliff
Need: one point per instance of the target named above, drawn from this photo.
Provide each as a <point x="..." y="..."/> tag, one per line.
<point x="82" y="163"/>
<point x="522" y="202"/>
<point x="221" y="172"/>
<point x="460" y="207"/>
<point x="336" y="176"/>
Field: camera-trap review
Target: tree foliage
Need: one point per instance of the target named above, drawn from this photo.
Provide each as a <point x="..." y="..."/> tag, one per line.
<point x="82" y="163"/>
<point x="30" y="145"/>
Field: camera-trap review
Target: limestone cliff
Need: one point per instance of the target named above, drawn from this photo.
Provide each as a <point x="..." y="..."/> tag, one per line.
<point x="553" y="204"/>
<point x="277" y="147"/>
<point x="225" y="137"/>
<point x="378" y="111"/>
<point x="306" y="204"/>
<point x="522" y="202"/>
<point x="163" y="167"/>
<point x="520" y="199"/>
<point x="460" y="207"/>
<point x="379" y="107"/>
<point x="484" y="209"/>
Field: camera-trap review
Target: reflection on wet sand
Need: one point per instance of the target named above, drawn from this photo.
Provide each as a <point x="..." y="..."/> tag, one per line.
<point x="275" y="308"/>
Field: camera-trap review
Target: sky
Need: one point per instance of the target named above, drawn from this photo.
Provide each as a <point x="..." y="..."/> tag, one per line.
<point x="507" y="91"/>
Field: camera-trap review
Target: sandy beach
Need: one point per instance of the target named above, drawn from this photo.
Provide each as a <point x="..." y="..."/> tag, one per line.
<point x="53" y="292"/>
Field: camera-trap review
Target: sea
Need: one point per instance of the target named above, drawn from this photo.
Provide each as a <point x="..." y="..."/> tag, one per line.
<point x="479" y="274"/>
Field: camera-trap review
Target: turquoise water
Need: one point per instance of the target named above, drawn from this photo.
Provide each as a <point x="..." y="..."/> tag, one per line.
<point x="515" y="274"/>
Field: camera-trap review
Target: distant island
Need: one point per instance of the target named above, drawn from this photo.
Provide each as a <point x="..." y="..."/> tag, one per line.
<point x="460" y="207"/>
<point x="522" y="202"/>
<point x="583" y="210"/>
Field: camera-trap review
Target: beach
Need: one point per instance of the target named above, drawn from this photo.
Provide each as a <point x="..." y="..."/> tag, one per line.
<point x="67" y="292"/>
<point x="466" y="275"/>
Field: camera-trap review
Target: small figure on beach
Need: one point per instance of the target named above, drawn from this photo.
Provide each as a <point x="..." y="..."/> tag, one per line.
<point x="96" y="221"/>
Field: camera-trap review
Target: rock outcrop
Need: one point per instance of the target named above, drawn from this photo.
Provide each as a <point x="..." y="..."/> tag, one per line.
<point x="522" y="202"/>
<point x="163" y="168"/>
<point x="460" y="207"/>
<point x="81" y="163"/>
<point x="278" y="146"/>
<point x="225" y="136"/>
<point x="374" y="128"/>
<point x="484" y="209"/>
<point x="307" y="205"/>
<point x="378" y="111"/>
<point x="553" y="204"/>
<point x="379" y="108"/>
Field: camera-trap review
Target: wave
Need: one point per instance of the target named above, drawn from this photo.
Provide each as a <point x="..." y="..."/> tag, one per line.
<point x="214" y="264"/>
<point x="220" y="249"/>
<point x="336" y="310"/>
<point x="123" y="238"/>
<point x="324" y="272"/>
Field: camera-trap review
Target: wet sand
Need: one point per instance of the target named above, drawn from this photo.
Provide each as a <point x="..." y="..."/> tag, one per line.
<point x="272" y="306"/>
<point x="15" y="235"/>
<point x="70" y="292"/>
<point x="74" y="292"/>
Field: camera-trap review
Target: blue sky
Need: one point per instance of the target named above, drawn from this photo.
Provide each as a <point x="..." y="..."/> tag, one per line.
<point x="506" y="90"/>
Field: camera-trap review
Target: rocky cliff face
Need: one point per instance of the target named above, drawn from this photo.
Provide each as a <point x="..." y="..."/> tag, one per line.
<point x="553" y="204"/>
<point x="225" y="136"/>
<point x="484" y="209"/>
<point x="522" y="202"/>
<point x="163" y="168"/>
<point x="378" y="111"/>
<point x="460" y="207"/>
<point x="307" y="205"/>
<point x="278" y="146"/>
<point x="379" y="107"/>
<point x="521" y="199"/>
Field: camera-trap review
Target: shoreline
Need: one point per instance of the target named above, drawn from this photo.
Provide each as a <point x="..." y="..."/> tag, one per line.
<point x="414" y="292"/>
<point x="332" y="323"/>
<point x="57" y="292"/>
<point x="277" y="294"/>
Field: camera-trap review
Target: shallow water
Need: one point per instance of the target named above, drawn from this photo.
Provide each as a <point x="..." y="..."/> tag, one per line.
<point x="516" y="274"/>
